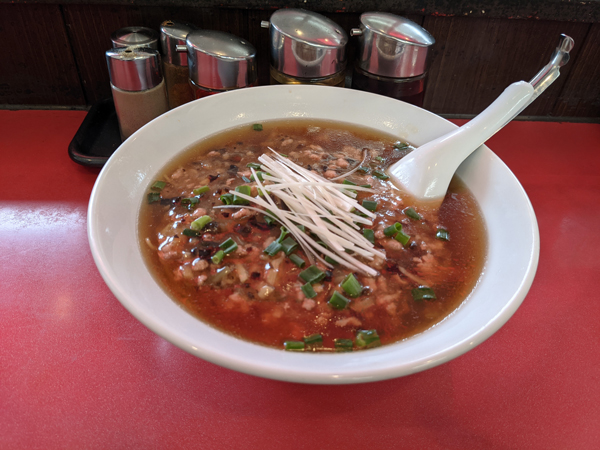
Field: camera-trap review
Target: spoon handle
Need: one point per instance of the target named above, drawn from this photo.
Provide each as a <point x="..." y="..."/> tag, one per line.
<point x="429" y="169"/>
<point x="426" y="172"/>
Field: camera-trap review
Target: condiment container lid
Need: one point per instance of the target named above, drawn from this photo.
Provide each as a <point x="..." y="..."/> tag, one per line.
<point x="135" y="37"/>
<point x="392" y="46"/>
<point x="306" y="44"/>
<point x="173" y="34"/>
<point x="219" y="60"/>
<point x="134" y="68"/>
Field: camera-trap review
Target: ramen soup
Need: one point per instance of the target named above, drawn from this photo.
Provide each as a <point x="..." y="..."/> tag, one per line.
<point x="290" y="235"/>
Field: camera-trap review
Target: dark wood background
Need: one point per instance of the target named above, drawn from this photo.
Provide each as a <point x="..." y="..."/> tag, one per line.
<point x="55" y="56"/>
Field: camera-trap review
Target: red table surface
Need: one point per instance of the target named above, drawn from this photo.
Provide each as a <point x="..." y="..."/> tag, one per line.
<point x="78" y="371"/>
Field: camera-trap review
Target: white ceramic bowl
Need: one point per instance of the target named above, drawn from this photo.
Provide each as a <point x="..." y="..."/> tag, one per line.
<point x="122" y="185"/>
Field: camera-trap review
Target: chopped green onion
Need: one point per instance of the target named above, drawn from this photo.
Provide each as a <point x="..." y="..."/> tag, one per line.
<point x="153" y="197"/>
<point x="370" y="205"/>
<point x="297" y="260"/>
<point x="288" y="245"/>
<point x="379" y="158"/>
<point x="190" y="233"/>
<point x="369" y="235"/>
<point x="301" y="227"/>
<point x="200" y="223"/>
<point x="314" y="340"/>
<point x="189" y="200"/>
<point x="158" y="186"/>
<point x="348" y="182"/>
<point x="363" y="169"/>
<point x="257" y="127"/>
<point x="351" y="286"/>
<point x="246" y="179"/>
<point x="331" y="261"/>
<point x="227" y="199"/>
<point x="242" y="190"/>
<point x="367" y="339"/>
<point x="442" y="235"/>
<point x="308" y="290"/>
<point x="402" y="238"/>
<point x="294" y="346"/>
<point x="338" y="301"/>
<point x="201" y="190"/>
<point x="253" y="165"/>
<point x="393" y="229"/>
<point x="269" y="219"/>
<point x="423" y="293"/>
<point x="343" y="345"/>
<point x="368" y="186"/>
<point x="379" y="174"/>
<point x="400" y="145"/>
<point x="259" y="174"/>
<point x="218" y="257"/>
<point x="273" y="248"/>
<point x="284" y="155"/>
<point x="312" y="275"/>
<point x="228" y="246"/>
<point x="412" y="214"/>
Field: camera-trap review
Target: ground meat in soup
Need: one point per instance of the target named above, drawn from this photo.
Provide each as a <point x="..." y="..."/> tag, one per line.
<point x="259" y="296"/>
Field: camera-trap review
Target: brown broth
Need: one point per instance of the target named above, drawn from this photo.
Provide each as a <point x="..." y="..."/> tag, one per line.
<point x="228" y="295"/>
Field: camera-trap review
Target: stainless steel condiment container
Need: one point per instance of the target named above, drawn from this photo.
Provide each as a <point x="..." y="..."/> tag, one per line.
<point x="306" y="48"/>
<point x="135" y="37"/>
<point x="219" y="62"/>
<point x="137" y="86"/>
<point x="393" y="56"/>
<point x="175" y="62"/>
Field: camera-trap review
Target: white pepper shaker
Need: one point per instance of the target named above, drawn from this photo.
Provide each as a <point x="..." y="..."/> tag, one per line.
<point x="138" y="87"/>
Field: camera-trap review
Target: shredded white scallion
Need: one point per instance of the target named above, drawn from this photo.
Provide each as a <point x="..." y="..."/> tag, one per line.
<point x="324" y="208"/>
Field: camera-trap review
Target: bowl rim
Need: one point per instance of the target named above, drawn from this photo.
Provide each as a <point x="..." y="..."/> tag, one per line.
<point x="276" y="364"/>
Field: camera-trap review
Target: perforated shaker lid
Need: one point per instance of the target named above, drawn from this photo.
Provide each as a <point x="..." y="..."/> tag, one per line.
<point x="134" y="68"/>
<point x="392" y="46"/>
<point x="306" y="44"/>
<point x="135" y="37"/>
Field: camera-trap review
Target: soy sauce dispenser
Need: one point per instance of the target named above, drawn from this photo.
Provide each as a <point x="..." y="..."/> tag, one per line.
<point x="306" y="48"/>
<point x="219" y="62"/>
<point x="392" y="57"/>
<point x="175" y="63"/>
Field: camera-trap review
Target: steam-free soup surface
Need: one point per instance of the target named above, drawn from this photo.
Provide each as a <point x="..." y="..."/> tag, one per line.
<point x="260" y="297"/>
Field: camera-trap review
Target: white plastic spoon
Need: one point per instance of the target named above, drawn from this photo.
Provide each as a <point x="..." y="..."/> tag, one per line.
<point x="426" y="172"/>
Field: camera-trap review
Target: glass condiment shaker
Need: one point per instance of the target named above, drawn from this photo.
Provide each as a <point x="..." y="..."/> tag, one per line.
<point x="135" y="37"/>
<point x="219" y="62"/>
<point x="175" y="63"/>
<point x="138" y="87"/>
<point x="306" y="48"/>
<point x="392" y="57"/>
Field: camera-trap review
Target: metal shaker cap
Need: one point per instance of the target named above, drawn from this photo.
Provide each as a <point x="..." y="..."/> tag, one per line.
<point x="135" y="37"/>
<point x="134" y="68"/>
<point x="219" y="60"/>
<point x="306" y="44"/>
<point x="392" y="46"/>
<point x="173" y="34"/>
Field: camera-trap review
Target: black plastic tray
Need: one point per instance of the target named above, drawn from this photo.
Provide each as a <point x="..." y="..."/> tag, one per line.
<point x="98" y="136"/>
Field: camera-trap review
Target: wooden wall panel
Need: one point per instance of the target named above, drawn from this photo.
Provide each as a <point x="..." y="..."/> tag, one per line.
<point x="475" y="59"/>
<point x="581" y="94"/>
<point x="37" y="66"/>
<point x="61" y="60"/>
